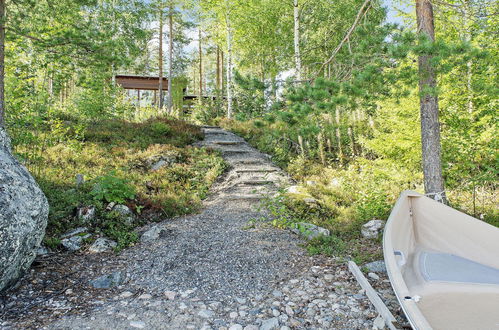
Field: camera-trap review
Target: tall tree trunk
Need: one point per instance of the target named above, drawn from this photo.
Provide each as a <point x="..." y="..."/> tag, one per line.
<point x="218" y="69"/>
<point x="229" y="63"/>
<point x="469" y="64"/>
<point x="296" y="14"/>
<point x="430" y="126"/>
<point x="222" y="85"/>
<point x="2" y="62"/>
<point x="160" y="57"/>
<point x="200" y="67"/>
<point x="170" y="60"/>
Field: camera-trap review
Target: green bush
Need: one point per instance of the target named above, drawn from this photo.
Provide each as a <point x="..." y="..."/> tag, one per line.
<point x="110" y="188"/>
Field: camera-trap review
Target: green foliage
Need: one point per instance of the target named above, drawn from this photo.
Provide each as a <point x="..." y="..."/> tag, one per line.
<point x="111" y="189"/>
<point x="115" y="157"/>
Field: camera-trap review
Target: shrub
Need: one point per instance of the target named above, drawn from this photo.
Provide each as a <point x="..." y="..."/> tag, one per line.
<point x="110" y="188"/>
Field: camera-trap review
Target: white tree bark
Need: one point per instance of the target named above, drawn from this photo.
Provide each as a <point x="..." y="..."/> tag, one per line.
<point x="296" y="13"/>
<point x="229" y="61"/>
<point x="170" y="60"/>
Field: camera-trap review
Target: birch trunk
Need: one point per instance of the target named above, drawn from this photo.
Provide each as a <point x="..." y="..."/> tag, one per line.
<point x="430" y="126"/>
<point x="200" y="67"/>
<point x="296" y="14"/>
<point x="170" y="60"/>
<point x="160" y="58"/>
<point x="229" y="63"/>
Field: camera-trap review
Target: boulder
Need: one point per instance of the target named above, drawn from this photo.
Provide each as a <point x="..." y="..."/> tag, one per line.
<point x="309" y="230"/>
<point x="23" y="216"/>
<point x="125" y="212"/>
<point x="102" y="244"/>
<point x="373" y="228"/>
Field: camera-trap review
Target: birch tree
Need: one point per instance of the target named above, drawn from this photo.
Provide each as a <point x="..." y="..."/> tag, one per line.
<point x="296" y="16"/>
<point x="170" y="59"/>
<point x="160" y="54"/>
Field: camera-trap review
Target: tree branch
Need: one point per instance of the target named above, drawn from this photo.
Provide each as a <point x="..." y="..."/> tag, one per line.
<point x="347" y="35"/>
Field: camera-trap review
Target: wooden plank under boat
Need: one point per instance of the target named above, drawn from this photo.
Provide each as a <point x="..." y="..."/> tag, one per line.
<point x="443" y="265"/>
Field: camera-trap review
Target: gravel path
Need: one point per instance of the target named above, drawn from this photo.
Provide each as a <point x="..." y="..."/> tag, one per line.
<point x="214" y="271"/>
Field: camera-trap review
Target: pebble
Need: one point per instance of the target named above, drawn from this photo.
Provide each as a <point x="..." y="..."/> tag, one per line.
<point x="236" y="327"/>
<point x="170" y="295"/>
<point x="206" y="313"/>
<point x="373" y="276"/>
<point x="138" y="324"/>
<point x="270" y="324"/>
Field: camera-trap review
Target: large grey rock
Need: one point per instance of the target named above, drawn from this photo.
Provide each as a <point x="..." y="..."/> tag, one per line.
<point x="23" y="216"/>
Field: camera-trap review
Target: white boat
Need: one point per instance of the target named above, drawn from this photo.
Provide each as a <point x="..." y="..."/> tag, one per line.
<point x="443" y="265"/>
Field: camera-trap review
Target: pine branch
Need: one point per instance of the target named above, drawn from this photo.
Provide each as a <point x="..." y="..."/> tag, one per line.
<point x="347" y="35"/>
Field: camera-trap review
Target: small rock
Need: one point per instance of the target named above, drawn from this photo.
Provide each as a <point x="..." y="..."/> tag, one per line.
<point x="86" y="213"/>
<point x="42" y="251"/>
<point x="251" y="327"/>
<point x="270" y="324"/>
<point x="153" y="234"/>
<point x="379" y="323"/>
<point x="108" y="281"/>
<point x="293" y="190"/>
<point x="277" y="293"/>
<point x="236" y="327"/>
<point x="101" y="245"/>
<point x="80" y="179"/>
<point x="376" y="266"/>
<point x="138" y="324"/>
<point x="241" y="300"/>
<point x="145" y="296"/>
<point x="126" y="294"/>
<point x="289" y="311"/>
<point x="125" y="212"/>
<point x="75" y="232"/>
<point x="372" y="228"/>
<point x="233" y="315"/>
<point x="328" y="277"/>
<point x="309" y="230"/>
<point x="170" y="295"/>
<point x="373" y="276"/>
<point x="74" y="243"/>
<point x="207" y="314"/>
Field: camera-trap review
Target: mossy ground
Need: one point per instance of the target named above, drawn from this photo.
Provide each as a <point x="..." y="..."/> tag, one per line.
<point x="118" y="154"/>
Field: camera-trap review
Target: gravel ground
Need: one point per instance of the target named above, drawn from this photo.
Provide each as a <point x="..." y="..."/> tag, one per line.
<point x="206" y="271"/>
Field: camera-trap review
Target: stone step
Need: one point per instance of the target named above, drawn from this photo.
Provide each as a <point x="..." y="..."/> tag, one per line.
<point x="228" y="143"/>
<point x="256" y="170"/>
<point x="235" y="152"/>
<point x="255" y="182"/>
<point x="211" y="127"/>
<point x="250" y="162"/>
<point x="254" y="197"/>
